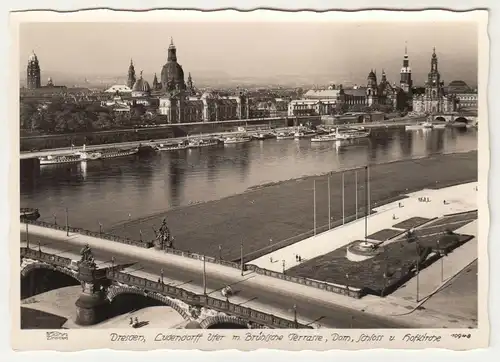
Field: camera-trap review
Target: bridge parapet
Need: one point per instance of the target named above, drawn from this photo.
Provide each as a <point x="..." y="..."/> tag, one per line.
<point x="150" y="287"/>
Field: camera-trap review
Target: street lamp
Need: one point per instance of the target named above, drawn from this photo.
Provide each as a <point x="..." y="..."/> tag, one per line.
<point x="204" y="277"/>
<point x="113" y="265"/>
<point x="442" y="261"/>
<point x="161" y="273"/>
<point x="55" y="218"/>
<point x="220" y="252"/>
<point x="295" y="316"/>
<point x="347" y="283"/>
<point x="39" y="247"/>
<point x="242" y="261"/>
<point x="283" y="266"/>
<point x="27" y="237"/>
<point x="100" y="228"/>
<point x="417" y="266"/>
<point x="67" y="222"/>
<point x="140" y="235"/>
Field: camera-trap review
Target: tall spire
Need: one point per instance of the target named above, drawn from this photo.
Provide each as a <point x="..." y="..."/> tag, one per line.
<point x="406" y="47"/>
<point x="172" y="42"/>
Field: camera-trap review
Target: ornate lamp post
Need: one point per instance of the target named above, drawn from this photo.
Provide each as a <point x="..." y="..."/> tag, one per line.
<point x="161" y="274"/>
<point x="27" y="237"/>
<point x="67" y="222"/>
<point x="204" y="277"/>
<point x="220" y="252"/>
<point x="113" y="265"/>
<point x="242" y="261"/>
<point x="55" y="218"/>
<point x="347" y="283"/>
<point x="295" y="316"/>
<point x="283" y="266"/>
<point x="100" y="228"/>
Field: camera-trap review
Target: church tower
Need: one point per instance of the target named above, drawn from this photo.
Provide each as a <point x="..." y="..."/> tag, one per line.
<point x="372" y="89"/>
<point x="406" y="82"/>
<point x="434" y="86"/>
<point x="131" y="75"/>
<point x="190" y="86"/>
<point x="156" y="84"/>
<point x="33" y="80"/>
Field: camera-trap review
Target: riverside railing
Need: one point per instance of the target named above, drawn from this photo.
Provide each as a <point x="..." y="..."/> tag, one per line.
<point x="329" y="287"/>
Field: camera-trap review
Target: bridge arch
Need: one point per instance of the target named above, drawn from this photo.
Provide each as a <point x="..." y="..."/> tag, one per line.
<point x="440" y="119"/>
<point x="117" y="291"/>
<point x="40" y="277"/>
<point x="224" y="321"/>
<point x="461" y="119"/>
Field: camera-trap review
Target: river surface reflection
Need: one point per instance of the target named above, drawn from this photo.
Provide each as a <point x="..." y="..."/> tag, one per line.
<point x="113" y="191"/>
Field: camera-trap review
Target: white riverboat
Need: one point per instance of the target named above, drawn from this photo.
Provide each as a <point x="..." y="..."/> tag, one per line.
<point x="285" y="136"/>
<point x="236" y="139"/>
<point x="172" y="146"/>
<point x="304" y="134"/>
<point x="118" y="153"/>
<point x="201" y="142"/>
<point x="325" y="138"/>
<point x="351" y="134"/>
<point x="262" y="136"/>
<point x="56" y="160"/>
<point x="423" y="125"/>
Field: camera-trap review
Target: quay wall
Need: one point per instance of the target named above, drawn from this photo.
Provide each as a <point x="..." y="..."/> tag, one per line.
<point x="53" y="141"/>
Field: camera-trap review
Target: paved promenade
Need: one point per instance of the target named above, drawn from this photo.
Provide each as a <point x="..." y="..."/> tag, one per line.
<point x="459" y="198"/>
<point x="314" y="306"/>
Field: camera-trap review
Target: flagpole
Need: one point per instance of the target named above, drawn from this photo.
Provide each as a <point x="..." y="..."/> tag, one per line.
<point x="356" y="181"/>
<point x="343" y="200"/>
<point x="366" y="206"/>
<point x="314" y="196"/>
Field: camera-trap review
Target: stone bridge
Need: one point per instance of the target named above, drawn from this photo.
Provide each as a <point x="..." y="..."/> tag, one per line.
<point x="100" y="287"/>
<point x="455" y="117"/>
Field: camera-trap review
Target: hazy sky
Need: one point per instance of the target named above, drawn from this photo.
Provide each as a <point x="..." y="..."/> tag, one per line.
<point x="339" y="51"/>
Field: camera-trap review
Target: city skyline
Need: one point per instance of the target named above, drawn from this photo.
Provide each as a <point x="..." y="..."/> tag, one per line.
<point x="317" y="53"/>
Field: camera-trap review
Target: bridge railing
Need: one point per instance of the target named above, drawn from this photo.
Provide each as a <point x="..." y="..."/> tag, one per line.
<point x="203" y="300"/>
<point x="94" y="234"/>
<point x="45" y="257"/>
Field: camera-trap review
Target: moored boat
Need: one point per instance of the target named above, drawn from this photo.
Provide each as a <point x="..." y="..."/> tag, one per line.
<point x="325" y="138"/>
<point x="201" y="142"/>
<point x="56" y="160"/>
<point x="172" y="146"/>
<point x="119" y="153"/>
<point x="285" y="136"/>
<point x="236" y="139"/>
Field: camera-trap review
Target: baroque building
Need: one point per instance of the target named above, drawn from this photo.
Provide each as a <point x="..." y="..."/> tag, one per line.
<point x="181" y="104"/>
<point x="434" y="100"/>
<point x="33" y="80"/>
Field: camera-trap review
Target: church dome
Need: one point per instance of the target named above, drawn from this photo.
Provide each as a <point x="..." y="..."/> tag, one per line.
<point x="172" y="75"/>
<point x="141" y="85"/>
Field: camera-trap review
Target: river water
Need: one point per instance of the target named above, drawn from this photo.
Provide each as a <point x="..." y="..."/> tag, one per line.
<point x="113" y="191"/>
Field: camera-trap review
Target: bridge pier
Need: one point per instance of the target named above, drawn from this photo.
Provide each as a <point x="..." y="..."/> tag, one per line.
<point x="92" y="305"/>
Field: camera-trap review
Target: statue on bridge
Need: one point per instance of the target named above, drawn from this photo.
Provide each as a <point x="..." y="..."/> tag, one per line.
<point x="87" y="258"/>
<point x="163" y="237"/>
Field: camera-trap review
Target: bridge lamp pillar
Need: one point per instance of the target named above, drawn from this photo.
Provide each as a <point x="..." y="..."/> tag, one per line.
<point x="92" y="305"/>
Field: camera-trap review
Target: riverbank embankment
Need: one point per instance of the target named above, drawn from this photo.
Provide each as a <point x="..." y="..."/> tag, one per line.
<point x="280" y="214"/>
